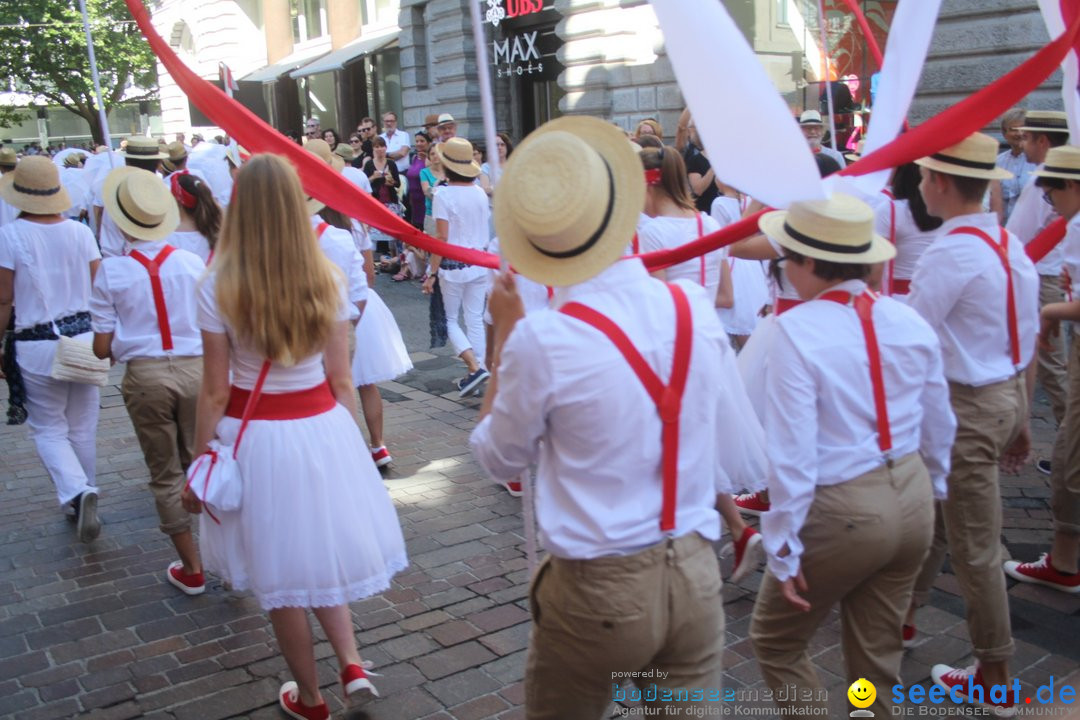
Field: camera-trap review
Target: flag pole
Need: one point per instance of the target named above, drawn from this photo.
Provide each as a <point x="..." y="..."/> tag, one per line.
<point x="94" y="74"/>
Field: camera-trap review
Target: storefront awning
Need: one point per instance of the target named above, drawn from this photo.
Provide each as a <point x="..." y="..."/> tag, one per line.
<point x="272" y="72"/>
<point x="346" y="54"/>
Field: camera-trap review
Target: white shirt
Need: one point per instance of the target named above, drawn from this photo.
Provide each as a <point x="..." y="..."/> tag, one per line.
<point x="1029" y="217"/>
<point x="77" y="183"/>
<point x="111" y="240"/>
<point x="356" y="177"/>
<point x="1071" y="250"/>
<point x="664" y="233"/>
<point x="338" y="245"/>
<point x="465" y="208"/>
<point x="245" y="363"/>
<point x="820" y="416"/>
<point x="959" y="287"/>
<point x="396" y="142"/>
<point x="725" y="210"/>
<point x="1021" y="168"/>
<point x="122" y="302"/>
<point x="8" y="213"/>
<point x="193" y="241"/>
<point x="911" y="242"/>
<point x="52" y="279"/>
<point x="598" y="487"/>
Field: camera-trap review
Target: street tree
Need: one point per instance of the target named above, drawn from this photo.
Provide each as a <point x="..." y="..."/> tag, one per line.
<point x="43" y="43"/>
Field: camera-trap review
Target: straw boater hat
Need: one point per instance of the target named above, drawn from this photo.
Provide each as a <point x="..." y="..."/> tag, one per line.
<point x="177" y="152"/>
<point x="140" y="147"/>
<point x="140" y="204"/>
<point x="1061" y="162"/>
<point x="457" y="155"/>
<point x="8" y="158"/>
<point x="74" y="160"/>
<point x="975" y="156"/>
<point x="810" y="117"/>
<point x="1046" y="121"/>
<point x="840" y="230"/>
<point x="445" y="119"/>
<point x="569" y="200"/>
<point x="34" y="187"/>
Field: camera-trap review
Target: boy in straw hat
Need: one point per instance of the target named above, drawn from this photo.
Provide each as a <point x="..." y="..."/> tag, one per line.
<point x="979" y="291"/>
<point x="628" y="397"/>
<point x="46" y="267"/>
<point x="141" y="152"/>
<point x="857" y="411"/>
<point x="1059" y="181"/>
<point x="143" y="310"/>
<point x="1041" y="131"/>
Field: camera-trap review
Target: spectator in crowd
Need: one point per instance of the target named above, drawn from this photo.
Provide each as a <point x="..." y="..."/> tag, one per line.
<point x="397" y="141"/>
<point x="1015" y="160"/>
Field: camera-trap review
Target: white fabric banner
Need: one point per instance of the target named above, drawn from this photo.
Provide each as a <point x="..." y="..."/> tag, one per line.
<point x="1055" y="25"/>
<point x="731" y="97"/>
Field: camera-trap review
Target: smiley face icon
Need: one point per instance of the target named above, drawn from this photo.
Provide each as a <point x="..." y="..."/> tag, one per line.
<point x="862" y="693"/>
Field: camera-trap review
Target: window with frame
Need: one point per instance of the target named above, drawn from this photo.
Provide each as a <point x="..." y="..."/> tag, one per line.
<point x="782" y="12"/>
<point x="308" y="19"/>
<point x="379" y="12"/>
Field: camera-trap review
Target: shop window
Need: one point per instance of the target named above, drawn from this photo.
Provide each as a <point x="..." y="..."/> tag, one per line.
<point x="379" y="12"/>
<point x="308" y="19"/>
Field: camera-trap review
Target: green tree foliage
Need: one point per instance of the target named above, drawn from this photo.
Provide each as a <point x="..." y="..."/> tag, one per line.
<point x="43" y="44"/>
<point x="10" y="116"/>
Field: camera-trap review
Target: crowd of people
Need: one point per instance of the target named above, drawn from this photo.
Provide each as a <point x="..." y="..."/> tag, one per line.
<point x="854" y="375"/>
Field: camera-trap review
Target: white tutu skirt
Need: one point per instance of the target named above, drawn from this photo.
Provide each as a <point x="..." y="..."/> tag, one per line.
<point x="751" y="361"/>
<point x="380" y="351"/>
<point x="751" y="293"/>
<point x="316" y="527"/>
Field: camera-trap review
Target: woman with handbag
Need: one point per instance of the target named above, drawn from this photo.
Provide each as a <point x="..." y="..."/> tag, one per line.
<point x="47" y="264"/>
<point x="385" y="180"/>
<point x="142" y="309"/>
<point x="315" y="528"/>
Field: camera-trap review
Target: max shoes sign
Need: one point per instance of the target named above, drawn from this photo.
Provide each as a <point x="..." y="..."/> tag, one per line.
<point x="511" y="54"/>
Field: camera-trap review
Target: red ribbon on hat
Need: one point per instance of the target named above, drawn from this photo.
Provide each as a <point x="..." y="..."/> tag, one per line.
<point x="182" y="196"/>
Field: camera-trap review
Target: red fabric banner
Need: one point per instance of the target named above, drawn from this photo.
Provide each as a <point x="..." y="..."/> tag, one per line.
<point x="1046" y="241"/>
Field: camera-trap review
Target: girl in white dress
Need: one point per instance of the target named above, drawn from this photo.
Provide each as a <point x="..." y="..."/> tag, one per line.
<point x="317" y="528"/>
<point x="748" y="280"/>
<point x="200" y="215"/>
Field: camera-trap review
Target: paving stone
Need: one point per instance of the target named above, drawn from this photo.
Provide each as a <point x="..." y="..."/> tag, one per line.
<point x="446" y="662"/>
<point x="463" y="686"/>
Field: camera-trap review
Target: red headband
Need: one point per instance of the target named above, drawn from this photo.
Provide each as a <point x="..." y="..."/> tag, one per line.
<point x="652" y="177"/>
<point x="182" y="196"/>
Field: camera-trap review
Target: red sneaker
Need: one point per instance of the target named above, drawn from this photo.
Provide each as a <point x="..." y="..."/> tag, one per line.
<point x="910" y="634"/>
<point x="289" y="699"/>
<point x="356" y="686"/>
<point x="971" y="688"/>
<point x="194" y="584"/>
<point x="381" y="456"/>
<point x="1042" y="572"/>
<point x="513" y="487"/>
<point x="747" y="553"/>
<point x="751" y="504"/>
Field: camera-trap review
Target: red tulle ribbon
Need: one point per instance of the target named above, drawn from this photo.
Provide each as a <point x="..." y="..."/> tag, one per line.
<point x="182" y="196"/>
<point x="652" y="177"/>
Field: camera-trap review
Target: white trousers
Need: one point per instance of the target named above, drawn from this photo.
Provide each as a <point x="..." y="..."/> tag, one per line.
<point x="468" y="297"/>
<point x="63" y="420"/>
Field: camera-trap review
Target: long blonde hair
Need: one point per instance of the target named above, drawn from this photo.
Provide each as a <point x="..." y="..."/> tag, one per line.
<point x="274" y="285"/>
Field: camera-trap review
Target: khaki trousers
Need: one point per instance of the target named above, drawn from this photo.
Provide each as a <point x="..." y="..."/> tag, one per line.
<point x="658" y="611"/>
<point x="160" y="395"/>
<point x="1051" y="370"/>
<point x="864" y="541"/>
<point x="968" y="525"/>
<point x="1065" y="460"/>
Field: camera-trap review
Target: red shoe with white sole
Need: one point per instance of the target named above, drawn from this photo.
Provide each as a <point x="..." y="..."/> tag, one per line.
<point x="910" y="634"/>
<point x="194" y="584"/>
<point x="748" y="554"/>
<point x="971" y="688"/>
<point x="381" y="456"/>
<point x="751" y="504"/>
<point x="1042" y="572"/>
<point x="289" y="699"/>
<point x="356" y="686"/>
<point x="513" y="487"/>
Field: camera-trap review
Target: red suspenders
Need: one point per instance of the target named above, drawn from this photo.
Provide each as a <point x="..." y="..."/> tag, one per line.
<point x="668" y="398"/>
<point x="153" y="267"/>
<point x="864" y="307"/>
<point x="1002" y="250"/>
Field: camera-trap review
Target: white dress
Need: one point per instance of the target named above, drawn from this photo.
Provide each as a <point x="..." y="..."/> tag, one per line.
<point x="749" y="281"/>
<point x="380" y="354"/>
<point x="317" y="527"/>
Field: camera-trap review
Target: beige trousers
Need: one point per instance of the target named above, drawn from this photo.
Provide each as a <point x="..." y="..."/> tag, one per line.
<point x="658" y="611"/>
<point x="969" y="521"/>
<point x="1051" y="370"/>
<point x="1065" y="461"/>
<point x="864" y="541"/>
<point x="160" y="395"/>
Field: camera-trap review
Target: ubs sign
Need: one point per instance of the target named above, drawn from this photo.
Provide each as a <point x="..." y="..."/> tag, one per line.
<point x="496" y="13"/>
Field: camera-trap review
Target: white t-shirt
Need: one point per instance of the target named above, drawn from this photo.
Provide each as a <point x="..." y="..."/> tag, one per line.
<point x="396" y="142"/>
<point x="911" y="242"/>
<point x="51" y="263"/>
<point x="465" y="208"/>
<point x="663" y="233"/>
<point x="193" y="241"/>
<point x="8" y="213"/>
<point x="110" y="238"/>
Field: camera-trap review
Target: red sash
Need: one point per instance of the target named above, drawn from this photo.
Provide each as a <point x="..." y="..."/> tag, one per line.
<point x="154" y="268"/>
<point x="668" y="398"/>
<point x="864" y="307"/>
<point x="1002" y="250"/>
<point x="282" y="406"/>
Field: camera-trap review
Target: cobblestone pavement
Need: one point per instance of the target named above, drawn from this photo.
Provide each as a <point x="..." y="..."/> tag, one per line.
<point x="95" y="631"/>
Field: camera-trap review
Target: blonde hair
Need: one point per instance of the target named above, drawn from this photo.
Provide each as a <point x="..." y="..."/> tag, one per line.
<point x="657" y="130"/>
<point x="274" y="285"/>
